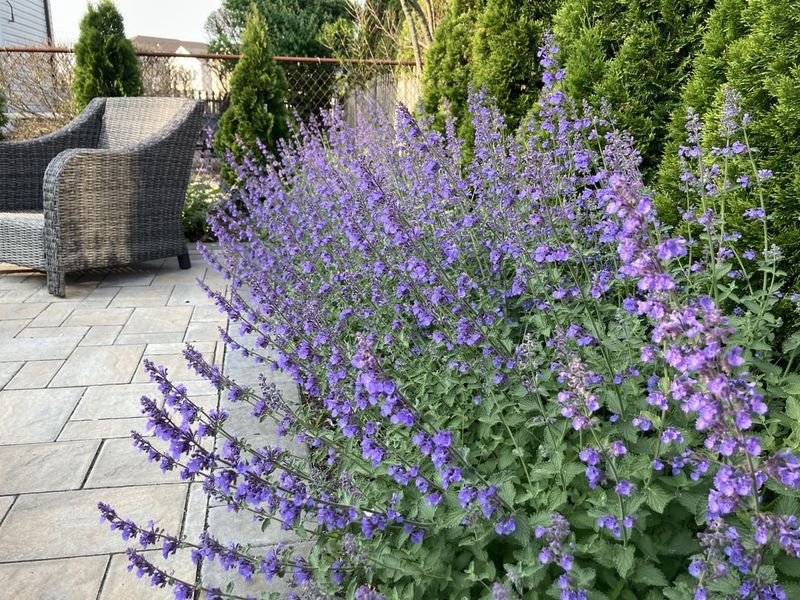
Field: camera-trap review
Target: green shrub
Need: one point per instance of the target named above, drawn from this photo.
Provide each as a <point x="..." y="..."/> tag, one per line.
<point x="753" y="47"/>
<point x="447" y="73"/>
<point x="295" y="24"/>
<point x="200" y="197"/>
<point x="724" y="27"/>
<point x="105" y="61"/>
<point x="637" y="55"/>
<point x="505" y="41"/>
<point x="490" y="44"/>
<point x="257" y="112"/>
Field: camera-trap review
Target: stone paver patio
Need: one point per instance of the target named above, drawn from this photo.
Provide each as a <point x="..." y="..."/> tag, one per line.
<point x="70" y="381"/>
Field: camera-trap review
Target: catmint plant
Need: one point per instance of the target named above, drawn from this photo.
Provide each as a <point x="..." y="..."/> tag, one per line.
<point x="516" y="382"/>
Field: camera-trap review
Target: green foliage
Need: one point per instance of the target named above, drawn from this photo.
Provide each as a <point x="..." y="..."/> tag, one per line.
<point x="447" y="71"/>
<point x="506" y="38"/>
<point x="491" y="44"/>
<point x="257" y="111"/>
<point x="724" y="27"/>
<point x="201" y="194"/>
<point x="753" y="47"/>
<point x="634" y="53"/>
<point x="105" y="61"/>
<point x="295" y="24"/>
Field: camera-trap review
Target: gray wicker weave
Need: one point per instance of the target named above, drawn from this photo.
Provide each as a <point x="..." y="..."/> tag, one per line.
<point x="107" y="189"/>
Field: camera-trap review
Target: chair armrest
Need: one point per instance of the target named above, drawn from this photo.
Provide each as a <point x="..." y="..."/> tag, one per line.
<point x="104" y="207"/>
<point x="23" y="163"/>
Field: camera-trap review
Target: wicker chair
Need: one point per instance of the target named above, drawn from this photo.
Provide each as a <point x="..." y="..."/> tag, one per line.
<point x="107" y="189"/>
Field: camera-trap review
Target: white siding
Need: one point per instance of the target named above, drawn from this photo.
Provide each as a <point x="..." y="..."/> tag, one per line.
<point x="29" y="27"/>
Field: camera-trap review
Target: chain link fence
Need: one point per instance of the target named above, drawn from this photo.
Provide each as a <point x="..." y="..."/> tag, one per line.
<point x="37" y="82"/>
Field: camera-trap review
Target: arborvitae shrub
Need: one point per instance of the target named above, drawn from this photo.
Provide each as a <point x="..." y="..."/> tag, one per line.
<point x="490" y="44"/>
<point x="723" y="28"/>
<point x="447" y="73"/>
<point x="636" y="54"/>
<point x="257" y="110"/>
<point x="763" y="65"/>
<point x="505" y="41"/>
<point x="105" y="61"/>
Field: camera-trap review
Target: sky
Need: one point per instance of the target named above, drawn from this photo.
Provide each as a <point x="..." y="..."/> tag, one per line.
<point x="179" y="19"/>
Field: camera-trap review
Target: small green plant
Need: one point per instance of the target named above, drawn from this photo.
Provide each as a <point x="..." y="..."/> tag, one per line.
<point x="201" y="194"/>
<point x="257" y="114"/>
<point x="105" y="61"/>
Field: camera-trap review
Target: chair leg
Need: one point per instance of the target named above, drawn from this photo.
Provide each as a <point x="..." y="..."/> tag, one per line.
<point x="56" y="283"/>
<point x="184" y="262"/>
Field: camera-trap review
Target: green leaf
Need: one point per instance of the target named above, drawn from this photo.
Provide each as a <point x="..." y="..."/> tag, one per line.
<point x="793" y="408"/>
<point x="649" y="574"/>
<point x="623" y="560"/>
<point x="657" y="498"/>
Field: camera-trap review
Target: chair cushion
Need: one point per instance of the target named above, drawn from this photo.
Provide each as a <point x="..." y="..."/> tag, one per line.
<point x="22" y="238"/>
<point x="128" y="121"/>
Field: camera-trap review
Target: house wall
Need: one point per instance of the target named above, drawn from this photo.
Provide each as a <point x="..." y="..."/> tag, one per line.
<point x="30" y="23"/>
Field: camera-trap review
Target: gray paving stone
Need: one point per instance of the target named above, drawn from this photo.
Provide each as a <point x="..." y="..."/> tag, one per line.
<point x="158" y="320"/>
<point x="142" y="296"/>
<point x="19" y="294"/>
<point x="202" y="332"/>
<point x="229" y="526"/>
<point x="101" y="335"/>
<point x="103" y="294"/>
<point x="64" y="524"/>
<point x="7" y="371"/>
<point x="170" y="273"/>
<point x="208" y="313"/>
<point x="99" y="365"/>
<point x="45" y="467"/>
<point x="53" y="332"/>
<point x="121" y="584"/>
<point x="177" y="370"/>
<point x="31" y="416"/>
<point x="196" y="510"/>
<point x="120" y="401"/>
<point x="120" y="464"/>
<point x="24" y="349"/>
<point x="149" y="338"/>
<point x="9" y="329"/>
<point x="54" y="315"/>
<point x="13" y="310"/>
<point x="35" y="374"/>
<point x="5" y="504"/>
<point x="99" y="316"/>
<point x="113" y="401"/>
<point x="66" y="579"/>
<point x="190" y="294"/>
<point x="213" y="575"/>
<point x="177" y="348"/>
<point x="103" y="429"/>
<point x="133" y="276"/>
<point x="76" y="290"/>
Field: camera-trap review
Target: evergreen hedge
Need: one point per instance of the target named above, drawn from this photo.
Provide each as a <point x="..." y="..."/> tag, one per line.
<point x="490" y="44"/>
<point x="505" y="41"/>
<point x="105" y="61"/>
<point x="257" y="111"/>
<point x="753" y="47"/>
<point x="636" y="54"/>
<point x="447" y="72"/>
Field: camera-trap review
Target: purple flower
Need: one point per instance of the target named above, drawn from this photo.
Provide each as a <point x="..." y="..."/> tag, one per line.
<point x="754" y="213"/>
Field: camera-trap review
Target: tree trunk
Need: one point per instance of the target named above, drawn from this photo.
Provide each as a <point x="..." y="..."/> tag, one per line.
<point x="412" y="31"/>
